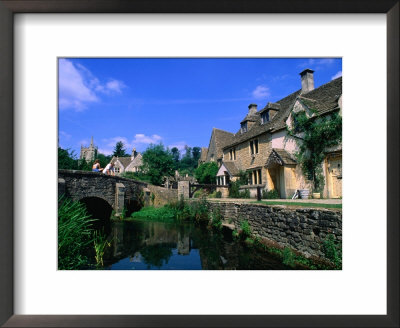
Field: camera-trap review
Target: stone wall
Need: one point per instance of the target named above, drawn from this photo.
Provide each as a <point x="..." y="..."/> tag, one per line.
<point x="301" y="229"/>
<point x="162" y="196"/>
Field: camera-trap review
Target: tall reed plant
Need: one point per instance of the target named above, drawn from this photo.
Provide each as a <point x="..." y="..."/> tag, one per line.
<point x="75" y="235"/>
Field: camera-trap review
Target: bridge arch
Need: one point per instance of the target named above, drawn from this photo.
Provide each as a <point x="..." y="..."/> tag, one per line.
<point x="100" y="210"/>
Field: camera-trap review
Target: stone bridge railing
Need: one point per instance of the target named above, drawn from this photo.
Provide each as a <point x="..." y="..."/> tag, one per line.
<point x="117" y="191"/>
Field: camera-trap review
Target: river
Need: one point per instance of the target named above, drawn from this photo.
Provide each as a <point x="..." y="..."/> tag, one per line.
<point x="148" y="245"/>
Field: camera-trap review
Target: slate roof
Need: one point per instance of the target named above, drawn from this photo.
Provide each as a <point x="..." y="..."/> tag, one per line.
<point x="137" y="161"/>
<point x="258" y="128"/>
<point x="222" y="138"/>
<point x="323" y="99"/>
<point x="203" y="155"/>
<point x="284" y="156"/>
<point x="231" y="167"/>
<point x="125" y="161"/>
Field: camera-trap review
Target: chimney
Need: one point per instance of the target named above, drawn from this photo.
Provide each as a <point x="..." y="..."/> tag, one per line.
<point x="134" y="153"/>
<point x="307" y="80"/>
<point x="252" y="109"/>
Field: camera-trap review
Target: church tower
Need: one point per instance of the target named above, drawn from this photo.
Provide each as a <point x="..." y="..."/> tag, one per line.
<point x="88" y="153"/>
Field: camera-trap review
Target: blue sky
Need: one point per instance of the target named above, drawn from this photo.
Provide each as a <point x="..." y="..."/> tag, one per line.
<point x="176" y="101"/>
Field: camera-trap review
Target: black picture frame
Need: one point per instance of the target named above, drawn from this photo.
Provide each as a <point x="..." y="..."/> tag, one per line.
<point x="7" y="199"/>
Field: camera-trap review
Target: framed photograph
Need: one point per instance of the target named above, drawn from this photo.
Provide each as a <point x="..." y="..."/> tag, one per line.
<point x="115" y="58"/>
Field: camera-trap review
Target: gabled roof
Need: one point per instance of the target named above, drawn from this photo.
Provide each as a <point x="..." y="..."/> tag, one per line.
<point x="280" y="157"/>
<point x="203" y="155"/>
<point x="231" y="167"/>
<point x="125" y="161"/>
<point x="222" y="138"/>
<point x="323" y="99"/>
<point x="137" y="161"/>
<point x="258" y="128"/>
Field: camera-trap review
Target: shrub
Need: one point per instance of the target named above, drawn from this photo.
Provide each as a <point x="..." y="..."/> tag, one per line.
<point x="246" y="230"/>
<point x="244" y="193"/>
<point x="288" y="257"/>
<point x="100" y="244"/>
<point x="216" y="219"/>
<point x="74" y="235"/>
<point x="332" y="251"/>
<point x="218" y="194"/>
<point x="270" y="194"/>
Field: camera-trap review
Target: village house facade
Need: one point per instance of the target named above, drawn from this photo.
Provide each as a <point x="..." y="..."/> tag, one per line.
<point x="127" y="163"/>
<point x="263" y="149"/>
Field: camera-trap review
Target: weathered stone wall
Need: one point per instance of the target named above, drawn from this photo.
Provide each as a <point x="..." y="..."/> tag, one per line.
<point x="301" y="229"/>
<point x="162" y="196"/>
<point x="244" y="159"/>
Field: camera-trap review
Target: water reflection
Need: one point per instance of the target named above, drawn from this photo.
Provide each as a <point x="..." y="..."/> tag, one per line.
<point x="141" y="245"/>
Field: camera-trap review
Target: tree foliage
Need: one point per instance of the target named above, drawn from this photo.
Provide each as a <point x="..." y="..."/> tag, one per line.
<point x="314" y="136"/>
<point x="157" y="163"/>
<point x="119" y="149"/>
<point x="206" y="173"/>
<point x="67" y="159"/>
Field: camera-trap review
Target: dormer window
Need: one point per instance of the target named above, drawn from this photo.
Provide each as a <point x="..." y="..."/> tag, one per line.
<point x="265" y="117"/>
<point x="243" y="127"/>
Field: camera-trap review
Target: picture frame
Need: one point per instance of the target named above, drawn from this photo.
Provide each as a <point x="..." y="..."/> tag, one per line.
<point x="8" y="200"/>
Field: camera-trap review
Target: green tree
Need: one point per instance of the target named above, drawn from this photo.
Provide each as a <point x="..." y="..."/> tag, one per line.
<point x="314" y="135"/>
<point x="196" y="152"/>
<point x="157" y="163"/>
<point x="206" y="173"/>
<point x="103" y="159"/>
<point x="67" y="159"/>
<point x="176" y="156"/>
<point x="119" y="149"/>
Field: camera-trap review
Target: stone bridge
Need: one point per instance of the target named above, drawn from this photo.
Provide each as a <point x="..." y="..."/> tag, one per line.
<point x="103" y="193"/>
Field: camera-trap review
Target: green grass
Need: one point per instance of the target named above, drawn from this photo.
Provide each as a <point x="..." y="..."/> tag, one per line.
<point x="301" y="204"/>
<point x="161" y="214"/>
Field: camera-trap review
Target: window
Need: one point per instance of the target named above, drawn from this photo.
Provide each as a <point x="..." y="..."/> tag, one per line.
<point x="244" y="127"/>
<point x="232" y="154"/>
<point x="116" y="169"/>
<point x="259" y="176"/>
<point x="254" y="146"/>
<point x="250" y="178"/>
<point x="265" y="117"/>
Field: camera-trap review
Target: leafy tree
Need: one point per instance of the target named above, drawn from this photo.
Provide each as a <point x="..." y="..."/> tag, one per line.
<point x="314" y="135"/>
<point x="196" y="152"/>
<point x="119" y="149"/>
<point x="206" y="173"/>
<point x="157" y="163"/>
<point x="176" y="156"/>
<point x="67" y="159"/>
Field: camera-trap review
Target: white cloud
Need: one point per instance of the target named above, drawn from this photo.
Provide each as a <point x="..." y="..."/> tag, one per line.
<point x="261" y="92"/>
<point x="338" y="74"/>
<point x="180" y="145"/>
<point x="143" y="139"/>
<point x="64" y="135"/>
<point x="78" y="87"/>
<point x="73" y="91"/>
<point x="315" y="63"/>
<point x="139" y="142"/>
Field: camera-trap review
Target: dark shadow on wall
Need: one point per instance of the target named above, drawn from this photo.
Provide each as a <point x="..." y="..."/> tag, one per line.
<point x="132" y="205"/>
<point x="101" y="211"/>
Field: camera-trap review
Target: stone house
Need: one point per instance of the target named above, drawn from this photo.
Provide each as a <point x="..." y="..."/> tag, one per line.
<point x="127" y="163"/>
<point x="263" y="149"/>
<point x="219" y="139"/>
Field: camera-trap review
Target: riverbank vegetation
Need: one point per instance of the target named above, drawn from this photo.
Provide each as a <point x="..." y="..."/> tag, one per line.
<point x="79" y="245"/>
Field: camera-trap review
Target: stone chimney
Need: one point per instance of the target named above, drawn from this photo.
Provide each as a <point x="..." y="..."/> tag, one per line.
<point x="307" y="80"/>
<point x="134" y="153"/>
<point x="252" y="109"/>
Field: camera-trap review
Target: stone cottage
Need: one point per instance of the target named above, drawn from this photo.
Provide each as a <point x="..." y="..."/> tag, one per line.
<point x="127" y="163"/>
<point x="264" y="151"/>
